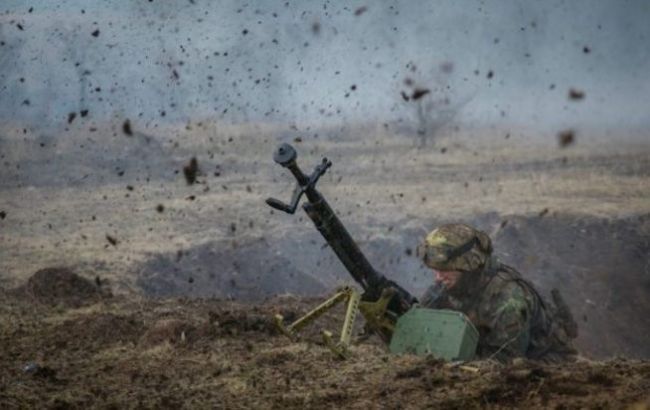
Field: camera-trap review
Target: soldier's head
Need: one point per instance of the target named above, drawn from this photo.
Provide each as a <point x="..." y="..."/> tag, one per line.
<point x="456" y="253"/>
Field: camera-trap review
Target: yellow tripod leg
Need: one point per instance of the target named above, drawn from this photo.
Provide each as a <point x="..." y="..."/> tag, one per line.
<point x="292" y="330"/>
<point x="341" y="349"/>
<point x="350" y="316"/>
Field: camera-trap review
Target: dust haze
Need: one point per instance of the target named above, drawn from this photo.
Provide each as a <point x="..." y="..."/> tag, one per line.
<point x="136" y="142"/>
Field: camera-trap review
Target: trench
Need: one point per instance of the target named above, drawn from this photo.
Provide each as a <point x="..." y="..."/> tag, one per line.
<point x="601" y="266"/>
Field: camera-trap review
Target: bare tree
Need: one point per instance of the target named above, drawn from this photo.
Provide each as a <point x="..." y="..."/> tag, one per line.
<point x="11" y="49"/>
<point x="431" y="100"/>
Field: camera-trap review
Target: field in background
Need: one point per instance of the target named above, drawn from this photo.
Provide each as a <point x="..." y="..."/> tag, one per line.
<point x="117" y="207"/>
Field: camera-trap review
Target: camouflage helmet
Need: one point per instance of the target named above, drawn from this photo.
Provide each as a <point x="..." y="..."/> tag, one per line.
<point x="456" y="247"/>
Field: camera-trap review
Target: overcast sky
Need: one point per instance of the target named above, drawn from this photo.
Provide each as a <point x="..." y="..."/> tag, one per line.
<point x="501" y="62"/>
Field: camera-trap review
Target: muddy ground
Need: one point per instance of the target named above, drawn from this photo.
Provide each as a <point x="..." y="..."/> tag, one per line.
<point x="209" y="260"/>
<point x="88" y="348"/>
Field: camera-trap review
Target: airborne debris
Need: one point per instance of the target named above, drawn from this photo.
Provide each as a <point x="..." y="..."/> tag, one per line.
<point x="576" y="95"/>
<point x="3" y="214"/>
<point x="566" y="138"/>
<point x="111" y="240"/>
<point x="360" y="10"/>
<point x="315" y="27"/>
<point x="160" y="208"/>
<point x="126" y="127"/>
<point x="419" y="93"/>
<point x="95" y="33"/>
<point x="71" y="117"/>
<point x="191" y="170"/>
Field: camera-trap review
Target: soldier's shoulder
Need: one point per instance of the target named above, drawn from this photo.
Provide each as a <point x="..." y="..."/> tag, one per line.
<point x="506" y="285"/>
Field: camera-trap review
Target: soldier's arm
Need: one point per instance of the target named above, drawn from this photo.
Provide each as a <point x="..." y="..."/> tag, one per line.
<point x="433" y="297"/>
<point x="509" y="320"/>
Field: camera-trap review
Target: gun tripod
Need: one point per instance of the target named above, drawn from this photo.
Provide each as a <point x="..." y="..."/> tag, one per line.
<point x="387" y="300"/>
<point x="373" y="312"/>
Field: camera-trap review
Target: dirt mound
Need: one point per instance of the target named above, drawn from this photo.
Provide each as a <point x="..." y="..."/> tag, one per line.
<point x="232" y="358"/>
<point x="61" y="286"/>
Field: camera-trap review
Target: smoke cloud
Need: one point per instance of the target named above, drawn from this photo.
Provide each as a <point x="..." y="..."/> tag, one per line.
<point x="319" y="62"/>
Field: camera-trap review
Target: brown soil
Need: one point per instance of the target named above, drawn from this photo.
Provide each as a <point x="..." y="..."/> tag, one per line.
<point x="53" y="286"/>
<point x="185" y="353"/>
<point x="575" y="218"/>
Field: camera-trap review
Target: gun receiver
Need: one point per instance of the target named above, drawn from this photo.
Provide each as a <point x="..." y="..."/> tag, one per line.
<point x="377" y="288"/>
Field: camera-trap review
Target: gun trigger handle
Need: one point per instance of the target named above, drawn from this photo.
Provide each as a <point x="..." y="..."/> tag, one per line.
<point x="279" y="205"/>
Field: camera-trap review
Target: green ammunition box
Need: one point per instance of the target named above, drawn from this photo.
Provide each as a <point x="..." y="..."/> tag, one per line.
<point x="445" y="334"/>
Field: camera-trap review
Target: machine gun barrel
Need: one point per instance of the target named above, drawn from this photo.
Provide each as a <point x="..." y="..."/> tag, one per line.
<point x="326" y="221"/>
<point x="348" y="252"/>
<point x="339" y="239"/>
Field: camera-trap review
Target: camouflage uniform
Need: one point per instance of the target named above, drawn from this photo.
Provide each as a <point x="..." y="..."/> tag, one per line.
<point x="513" y="320"/>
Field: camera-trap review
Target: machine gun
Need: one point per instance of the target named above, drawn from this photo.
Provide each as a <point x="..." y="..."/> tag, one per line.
<point x="382" y="302"/>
